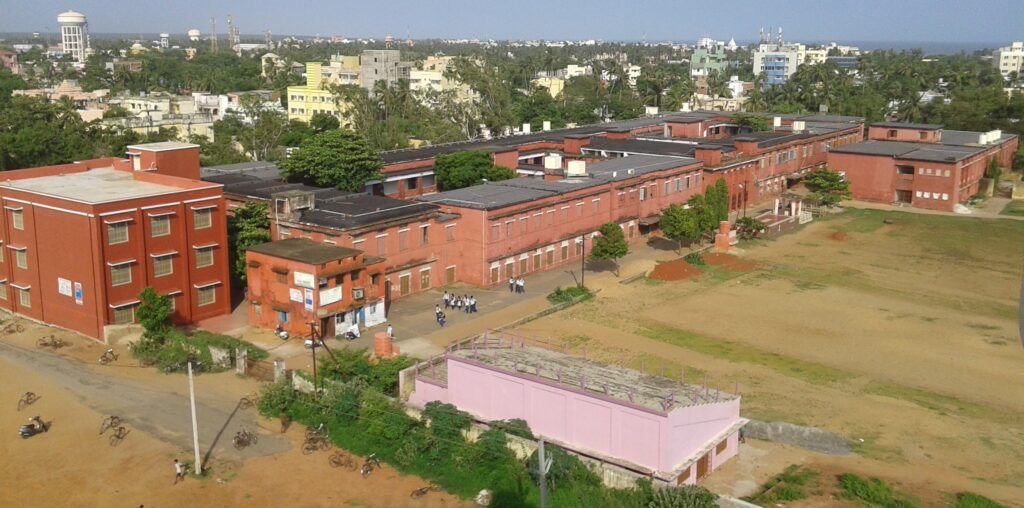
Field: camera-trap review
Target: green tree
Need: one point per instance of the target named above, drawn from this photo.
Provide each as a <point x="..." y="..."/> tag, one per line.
<point x="678" y="224"/>
<point x="116" y="112"/>
<point x="154" y="313"/>
<point x="36" y="132"/>
<point x="704" y="213"/>
<point x="250" y="225"/>
<point x="265" y="127"/>
<point x="721" y="193"/>
<point x="610" y="246"/>
<point x="463" y="169"/>
<point x="749" y="227"/>
<point x="323" y="122"/>
<point x="828" y="187"/>
<point x="338" y="158"/>
<point x="757" y="123"/>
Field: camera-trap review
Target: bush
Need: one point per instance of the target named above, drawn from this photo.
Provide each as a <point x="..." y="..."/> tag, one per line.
<point x="689" y="496"/>
<point x="694" y="258"/>
<point x="567" y="295"/>
<point x="171" y="350"/>
<point x="873" y="491"/>
<point x="789" y="485"/>
<point x="348" y="364"/>
<point x="971" y="500"/>
<point x="514" y="427"/>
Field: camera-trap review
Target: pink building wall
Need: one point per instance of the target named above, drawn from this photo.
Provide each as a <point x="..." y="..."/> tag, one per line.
<point x="584" y="421"/>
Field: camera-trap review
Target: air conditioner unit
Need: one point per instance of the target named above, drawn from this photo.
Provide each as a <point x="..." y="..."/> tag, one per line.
<point x="357" y="293"/>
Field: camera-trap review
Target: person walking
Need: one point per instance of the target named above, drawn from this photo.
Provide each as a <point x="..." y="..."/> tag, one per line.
<point x="445" y="298"/>
<point x="458" y="303"/>
<point x="440" y="320"/>
<point x="511" y="285"/>
<point x="522" y="285"/>
<point x="472" y="304"/>
<point x="179" y="471"/>
<point x="391" y="331"/>
<point x="437" y="311"/>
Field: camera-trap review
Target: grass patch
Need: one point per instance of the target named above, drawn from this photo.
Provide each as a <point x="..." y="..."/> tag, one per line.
<point x="695" y="258"/>
<point x="937" y="402"/>
<point x="810" y="372"/>
<point x="1014" y="208"/>
<point x="972" y="500"/>
<point x="873" y="492"/>
<point x="719" y="274"/>
<point x="790" y="485"/>
<point x="982" y="326"/>
<point x="652" y="282"/>
<point x="573" y="293"/>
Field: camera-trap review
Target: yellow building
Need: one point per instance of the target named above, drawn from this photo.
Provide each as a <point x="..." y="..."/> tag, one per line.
<point x="553" y="85"/>
<point x="304" y="101"/>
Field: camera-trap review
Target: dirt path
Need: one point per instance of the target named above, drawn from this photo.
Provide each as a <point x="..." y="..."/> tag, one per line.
<point x="72" y="465"/>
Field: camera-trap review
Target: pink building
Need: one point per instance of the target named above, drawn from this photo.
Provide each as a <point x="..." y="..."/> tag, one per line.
<point x="655" y="426"/>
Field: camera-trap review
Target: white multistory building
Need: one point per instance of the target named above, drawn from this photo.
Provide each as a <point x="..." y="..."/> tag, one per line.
<point x="74" y="35"/>
<point x="1009" y="59"/>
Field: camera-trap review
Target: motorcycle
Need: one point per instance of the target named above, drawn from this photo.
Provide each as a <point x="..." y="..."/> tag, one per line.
<point x="281" y="333"/>
<point x="36" y="426"/>
<point x="351" y="336"/>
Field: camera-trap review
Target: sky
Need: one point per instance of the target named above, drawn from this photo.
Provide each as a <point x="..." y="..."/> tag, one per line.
<point x="998" y="21"/>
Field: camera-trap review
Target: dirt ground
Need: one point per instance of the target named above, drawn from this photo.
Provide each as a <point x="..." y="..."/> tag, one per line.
<point x="72" y="465"/>
<point x="900" y="337"/>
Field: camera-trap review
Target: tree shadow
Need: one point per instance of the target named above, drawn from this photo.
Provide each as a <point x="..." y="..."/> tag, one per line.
<point x="601" y="265"/>
<point x="664" y="244"/>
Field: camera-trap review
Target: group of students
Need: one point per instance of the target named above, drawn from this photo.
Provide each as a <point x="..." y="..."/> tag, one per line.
<point x="466" y="303"/>
<point x="516" y="285"/>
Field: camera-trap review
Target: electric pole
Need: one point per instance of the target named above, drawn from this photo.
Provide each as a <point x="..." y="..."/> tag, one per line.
<point x="543" y="465"/>
<point x="195" y="424"/>
<point x="583" y="262"/>
<point x="312" y="337"/>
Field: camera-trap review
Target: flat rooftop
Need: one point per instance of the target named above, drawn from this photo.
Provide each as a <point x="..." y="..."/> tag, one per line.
<point x="909" y="125"/>
<point x="575" y="373"/>
<point x="95" y="186"/>
<point x="161" y="146"/>
<point x="494" y="195"/>
<point x="304" y="251"/>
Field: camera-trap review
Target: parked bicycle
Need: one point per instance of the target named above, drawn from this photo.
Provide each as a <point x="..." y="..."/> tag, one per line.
<point x="108" y="356"/>
<point x="110" y="422"/>
<point x="422" y="491"/>
<point x="26" y="400"/>
<point x="315" y="443"/>
<point x="251" y="400"/>
<point x="371" y="463"/>
<point x="119" y="434"/>
<point x="51" y="342"/>
<point x="244" y="438"/>
<point x="13" y="328"/>
<point x="343" y="460"/>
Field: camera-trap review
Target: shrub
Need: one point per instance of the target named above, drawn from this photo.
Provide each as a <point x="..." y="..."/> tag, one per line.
<point x="694" y="258"/>
<point x="515" y="427"/>
<point x="688" y="496"/>
<point x="276" y="397"/>
<point x="872" y="491"/>
<point x="567" y="295"/>
<point x="971" y="500"/>
<point x="171" y="350"/>
<point x="348" y="364"/>
<point x="565" y="469"/>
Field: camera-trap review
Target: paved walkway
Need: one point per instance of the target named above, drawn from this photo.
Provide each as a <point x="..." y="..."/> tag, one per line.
<point x="417" y="330"/>
<point x="989" y="210"/>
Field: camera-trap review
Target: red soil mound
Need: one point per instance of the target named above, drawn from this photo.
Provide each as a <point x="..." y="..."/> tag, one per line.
<point x="729" y="262"/>
<point x="839" y="236"/>
<point x="674" y="270"/>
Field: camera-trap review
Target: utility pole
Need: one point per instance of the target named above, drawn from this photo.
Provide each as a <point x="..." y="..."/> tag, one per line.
<point x="213" y="34"/>
<point x="312" y="336"/>
<point x="543" y="465"/>
<point x="583" y="262"/>
<point x="195" y="424"/>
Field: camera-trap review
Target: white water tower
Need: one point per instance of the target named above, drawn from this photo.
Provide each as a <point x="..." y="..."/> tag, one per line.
<point x="165" y="40"/>
<point x="74" y="34"/>
<point x="193" y="35"/>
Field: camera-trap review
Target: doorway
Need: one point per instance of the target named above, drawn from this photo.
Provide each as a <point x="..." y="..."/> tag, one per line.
<point x="703" y="466"/>
<point x="403" y="284"/>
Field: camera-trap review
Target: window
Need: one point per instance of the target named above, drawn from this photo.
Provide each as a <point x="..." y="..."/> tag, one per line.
<point x="920" y="171"/>
<point x="495" y="231"/>
<point x="117" y="233"/>
<point x="282" y="317"/>
<point x="946" y="173"/>
<point x="206" y="296"/>
<point x="121" y="274"/>
<point x="382" y="245"/>
<point x="124" y="315"/>
<point x="17" y="219"/>
<point x="21" y="258"/>
<point x="579" y="209"/>
<point x="622" y="198"/>
<point x="679" y="184"/>
<point x="945" y="197"/>
<point x="579" y="247"/>
<point x="923" y="135"/>
<point x="668" y="188"/>
<point x="204" y="257"/>
<point x="412" y="183"/>
<point x="424" y="279"/>
<point x="643" y="194"/>
<point x="892" y="133"/>
<point x="424" y="235"/>
<point x="449" y="232"/>
<point x="565" y="251"/>
<point x="720" y="447"/>
<point x="403" y="240"/>
<point x="162" y="266"/>
<point x="3" y="290"/>
<point x="24" y="298"/>
<point x="202" y="219"/>
<point x="524" y="225"/>
<point x="550" y="257"/>
<point x="538" y="219"/>
<point x="160" y="225"/>
<point x="565" y="213"/>
<point x="508" y="228"/>
<point x="551" y="217"/>
<point x="358" y="244"/>
<point x="283" y="232"/>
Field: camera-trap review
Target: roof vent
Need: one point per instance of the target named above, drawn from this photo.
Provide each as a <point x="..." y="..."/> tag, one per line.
<point x="576" y="168"/>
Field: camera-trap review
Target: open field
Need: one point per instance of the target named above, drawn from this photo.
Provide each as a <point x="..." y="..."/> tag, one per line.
<point x="901" y="337"/>
<point x="72" y="465"/>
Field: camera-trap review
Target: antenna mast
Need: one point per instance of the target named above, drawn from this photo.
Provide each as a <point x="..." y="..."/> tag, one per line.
<point x="213" y="34"/>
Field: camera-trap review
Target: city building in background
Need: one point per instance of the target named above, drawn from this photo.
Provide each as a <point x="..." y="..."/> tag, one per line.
<point x="1009" y="59"/>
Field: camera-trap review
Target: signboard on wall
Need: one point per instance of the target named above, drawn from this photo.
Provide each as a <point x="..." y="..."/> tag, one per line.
<point x="78" y="293"/>
<point x="63" y="286"/>
<point x="304" y="280"/>
<point x="308" y="298"/>
<point x="295" y="294"/>
<point x="331" y="295"/>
